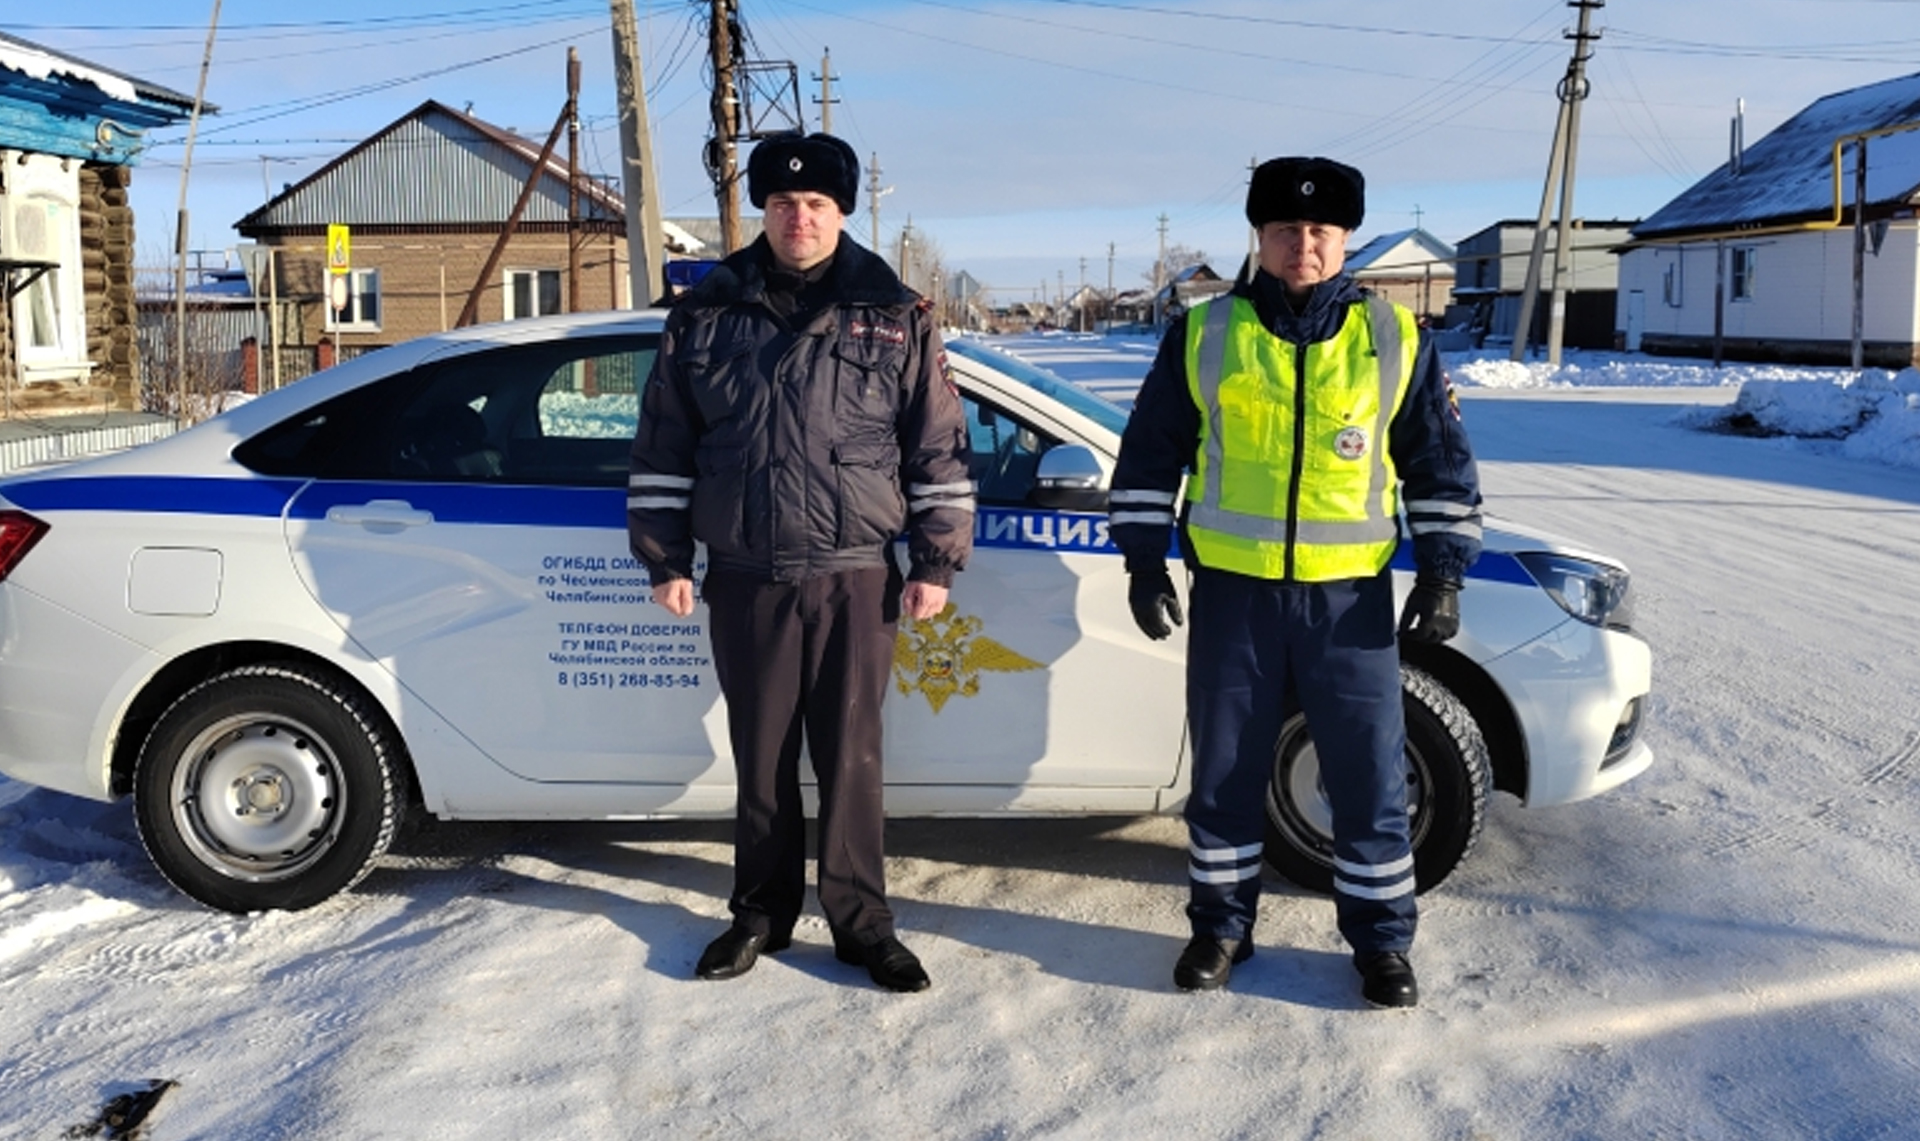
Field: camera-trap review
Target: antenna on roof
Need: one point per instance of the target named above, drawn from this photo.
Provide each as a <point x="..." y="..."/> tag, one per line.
<point x="1737" y="140"/>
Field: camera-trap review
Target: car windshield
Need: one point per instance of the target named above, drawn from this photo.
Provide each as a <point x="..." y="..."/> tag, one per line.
<point x="1096" y="408"/>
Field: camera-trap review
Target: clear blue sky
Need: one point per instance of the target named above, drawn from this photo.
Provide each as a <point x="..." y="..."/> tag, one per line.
<point x="1024" y="137"/>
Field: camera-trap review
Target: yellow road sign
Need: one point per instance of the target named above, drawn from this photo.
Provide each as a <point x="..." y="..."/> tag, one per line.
<point x="339" y="248"/>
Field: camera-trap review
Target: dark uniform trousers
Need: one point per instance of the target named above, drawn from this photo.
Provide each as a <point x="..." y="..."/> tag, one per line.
<point x="1332" y="643"/>
<point x="811" y="657"/>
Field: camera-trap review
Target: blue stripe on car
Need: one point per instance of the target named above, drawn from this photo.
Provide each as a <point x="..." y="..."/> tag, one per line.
<point x="523" y="505"/>
<point x="170" y="494"/>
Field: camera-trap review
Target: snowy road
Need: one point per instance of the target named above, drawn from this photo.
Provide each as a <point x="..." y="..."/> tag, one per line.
<point x="1728" y="947"/>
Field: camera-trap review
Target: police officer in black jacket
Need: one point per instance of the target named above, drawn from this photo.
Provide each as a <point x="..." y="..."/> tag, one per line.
<point x="799" y="418"/>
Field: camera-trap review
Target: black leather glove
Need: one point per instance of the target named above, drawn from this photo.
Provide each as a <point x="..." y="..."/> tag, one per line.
<point x="1150" y="594"/>
<point x="1432" y="612"/>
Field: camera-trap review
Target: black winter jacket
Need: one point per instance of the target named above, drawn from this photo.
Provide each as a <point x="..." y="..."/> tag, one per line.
<point x="1429" y="447"/>
<point x="794" y="452"/>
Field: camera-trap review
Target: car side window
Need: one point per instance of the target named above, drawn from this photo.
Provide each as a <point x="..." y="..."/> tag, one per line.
<point x="561" y="413"/>
<point x="1006" y="453"/>
<point x="584" y="417"/>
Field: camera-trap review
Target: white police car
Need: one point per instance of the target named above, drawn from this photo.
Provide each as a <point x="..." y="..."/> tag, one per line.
<point x="404" y="585"/>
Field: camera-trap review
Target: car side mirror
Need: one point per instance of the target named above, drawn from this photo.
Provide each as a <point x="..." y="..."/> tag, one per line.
<point x="1069" y="478"/>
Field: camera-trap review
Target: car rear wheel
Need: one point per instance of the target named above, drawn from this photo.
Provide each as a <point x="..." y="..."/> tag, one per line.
<point x="1449" y="779"/>
<point x="266" y="787"/>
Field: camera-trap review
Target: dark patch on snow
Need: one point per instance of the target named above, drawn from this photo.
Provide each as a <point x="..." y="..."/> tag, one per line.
<point x="125" y="1113"/>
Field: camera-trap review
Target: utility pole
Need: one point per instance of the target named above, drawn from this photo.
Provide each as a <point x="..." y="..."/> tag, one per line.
<point x="182" y="413"/>
<point x="1859" y="252"/>
<point x="573" y="182"/>
<point x="1719" y="300"/>
<point x="725" y="105"/>
<point x="1109" y="286"/>
<point x="826" y="99"/>
<point x="1159" y="273"/>
<point x="906" y="250"/>
<point x="874" y="194"/>
<point x="1080" y="317"/>
<point x="1566" y="145"/>
<point x="646" y="260"/>
<point x="1253" y="235"/>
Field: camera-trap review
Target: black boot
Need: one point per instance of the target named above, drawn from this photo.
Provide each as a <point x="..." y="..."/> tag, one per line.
<point x="888" y="962"/>
<point x="1386" y="979"/>
<point x="1208" y="962"/>
<point x="736" y="950"/>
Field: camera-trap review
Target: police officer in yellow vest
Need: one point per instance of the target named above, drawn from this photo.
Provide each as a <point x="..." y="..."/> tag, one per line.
<point x="1304" y="416"/>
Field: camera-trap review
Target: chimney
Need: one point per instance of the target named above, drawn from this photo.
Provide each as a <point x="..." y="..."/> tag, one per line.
<point x="1737" y="139"/>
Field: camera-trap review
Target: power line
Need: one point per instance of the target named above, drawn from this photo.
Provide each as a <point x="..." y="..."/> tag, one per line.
<point x="1279" y="21"/>
<point x="1213" y="49"/>
<point x="1434" y="96"/>
<point x="293" y="107"/>
<point x="489" y="14"/>
<point x="379" y="42"/>
<point x="1680" y="165"/>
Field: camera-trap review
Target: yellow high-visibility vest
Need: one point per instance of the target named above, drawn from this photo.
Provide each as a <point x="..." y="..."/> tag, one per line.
<point x="1293" y="478"/>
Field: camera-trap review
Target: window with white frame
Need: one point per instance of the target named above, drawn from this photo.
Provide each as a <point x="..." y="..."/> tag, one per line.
<point x="532" y="292"/>
<point x="362" y="311"/>
<point x="1740" y="265"/>
<point x="42" y="196"/>
<point x="1672" y="283"/>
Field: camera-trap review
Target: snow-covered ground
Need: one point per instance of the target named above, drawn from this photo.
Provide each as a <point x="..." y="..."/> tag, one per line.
<point x="1872" y="415"/>
<point x="1726" y="948"/>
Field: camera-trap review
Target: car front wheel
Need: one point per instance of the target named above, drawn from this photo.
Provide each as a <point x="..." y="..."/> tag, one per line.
<point x="1449" y="778"/>
<point x="266" y="787"/>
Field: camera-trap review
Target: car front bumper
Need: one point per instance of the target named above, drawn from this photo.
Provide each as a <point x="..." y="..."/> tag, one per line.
<point x="1580" y="695"/>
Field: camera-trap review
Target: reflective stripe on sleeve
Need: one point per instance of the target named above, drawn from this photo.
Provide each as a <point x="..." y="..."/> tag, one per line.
<point x="1141" y="495"/>
<point x="1427" y="527"/>
<point x="1150" y="518"/>
<point x="658" y="502"/>
<point x="670" y="482"/>
<point x="961" y="487"/>
<point x="958" y="503"/>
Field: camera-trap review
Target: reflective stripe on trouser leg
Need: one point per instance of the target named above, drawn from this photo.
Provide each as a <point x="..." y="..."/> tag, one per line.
<point x="1235" y="678"/>
<point x="1347" y="669"/>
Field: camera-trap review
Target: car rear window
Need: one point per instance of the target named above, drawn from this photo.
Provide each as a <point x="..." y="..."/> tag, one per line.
<point x="556" y="413"/>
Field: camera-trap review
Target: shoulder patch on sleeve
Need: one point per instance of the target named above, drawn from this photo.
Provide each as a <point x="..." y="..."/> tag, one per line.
<point x="946" y="372"/>
<point x="1453" y="398"/>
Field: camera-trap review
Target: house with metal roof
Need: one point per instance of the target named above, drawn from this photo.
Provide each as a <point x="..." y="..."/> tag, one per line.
<point x="1764" y="258"/>
<point x="424" y="203"/>
<point x="1490" y="279"/>
<point x="70" y="134"/>
<point x="1409" y="267"/>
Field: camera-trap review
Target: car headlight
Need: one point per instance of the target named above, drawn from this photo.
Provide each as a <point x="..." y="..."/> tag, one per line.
<point x="1595" y="593"/>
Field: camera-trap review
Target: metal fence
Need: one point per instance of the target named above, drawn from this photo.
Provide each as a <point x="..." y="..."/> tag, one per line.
<point x="55" y="447"/>
<point x="214" y="362"/>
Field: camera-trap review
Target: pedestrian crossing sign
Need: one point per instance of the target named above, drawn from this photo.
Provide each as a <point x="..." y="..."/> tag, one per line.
<point x="339" y="248"/>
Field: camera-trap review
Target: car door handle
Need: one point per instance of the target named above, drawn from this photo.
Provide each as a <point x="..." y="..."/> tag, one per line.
<point x="380" y="515"/>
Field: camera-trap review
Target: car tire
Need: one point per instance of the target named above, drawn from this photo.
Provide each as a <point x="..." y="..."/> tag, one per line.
<point x="267" y="787"/>
<point x="1449" y="778"/>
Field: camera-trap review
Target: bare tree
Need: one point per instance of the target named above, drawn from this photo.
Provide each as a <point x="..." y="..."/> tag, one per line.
<point x="213" y="363"/>
<point x="1179" y="257"/>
